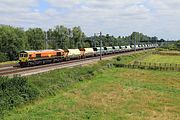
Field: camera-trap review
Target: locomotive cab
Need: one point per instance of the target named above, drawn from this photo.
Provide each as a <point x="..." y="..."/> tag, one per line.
<point x="23" y="57"/>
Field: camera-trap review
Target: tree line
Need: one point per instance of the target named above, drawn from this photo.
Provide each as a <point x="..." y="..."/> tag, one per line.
<point x="171" y="45"/>
<point x="15" y="39"/>
<point x="134" y="38"/>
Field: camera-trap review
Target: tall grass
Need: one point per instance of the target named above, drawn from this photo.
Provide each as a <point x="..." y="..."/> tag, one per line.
<point x="114" y="94"/>
<point x="22" y="90"/>
<point x="15" y="91"/>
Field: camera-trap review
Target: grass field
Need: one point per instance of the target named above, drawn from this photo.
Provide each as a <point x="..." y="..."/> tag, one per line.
<point x="167" y="51"/>
<point x="113" y="94"/>
<point x="8" y="62"/>
<point x="155" y="58"/>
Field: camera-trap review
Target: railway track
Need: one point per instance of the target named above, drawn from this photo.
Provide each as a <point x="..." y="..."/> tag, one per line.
<point x="47" y="67"/>
<point x="17" y="70"/>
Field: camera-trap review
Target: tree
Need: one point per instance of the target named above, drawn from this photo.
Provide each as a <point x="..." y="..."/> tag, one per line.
<point x="36" y="38"/>
<point x="12" y="41"/>
<point x="177" y="45"/>
<point x="154" y="39"/>
<point x="78" y="37"/>
<point x="62" y="37"/>
<point x="51" y="39"/>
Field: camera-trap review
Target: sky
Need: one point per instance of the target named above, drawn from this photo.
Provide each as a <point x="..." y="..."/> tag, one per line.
<point x="116" y="17"/>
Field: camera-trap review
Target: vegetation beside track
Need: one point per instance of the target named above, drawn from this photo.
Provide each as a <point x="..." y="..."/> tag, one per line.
<point x="152" y="61"/>
<point x="7" y="63"/>
<point x="15" y="91"/>
<point x="171" y="47"/>
<point x="97" y="92"/>
<point x="47" y="83"/>
<point x="155" y="58"/>
<point x="112" y="94"/>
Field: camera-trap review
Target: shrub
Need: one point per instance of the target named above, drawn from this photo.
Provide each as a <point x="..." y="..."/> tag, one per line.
<point x="3" y="57"/>
<point x="160" y="49"/>
<point x="15" y="91"/>
<point x="118" y="58"/>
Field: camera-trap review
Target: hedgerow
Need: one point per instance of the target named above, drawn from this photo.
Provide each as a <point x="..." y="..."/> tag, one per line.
<point x="15" y="91"/>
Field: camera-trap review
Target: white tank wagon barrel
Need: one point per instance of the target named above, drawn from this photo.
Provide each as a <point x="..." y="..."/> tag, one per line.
<point x="72" y="54"/>
<point x="142" y="46"/>
<point x="117" y="49"/>
<point x="97" y="51"/>
<point x="137" y="47"/>
<point x="109" y="50"/>
<point x="145" y="46"/>
<point x="129" y="48"/>
<point x="123" y="48"/>
<point x="87" y="52"/>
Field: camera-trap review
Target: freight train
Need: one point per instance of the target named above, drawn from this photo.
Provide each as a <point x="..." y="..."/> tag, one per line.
<point x="39" y="57"/>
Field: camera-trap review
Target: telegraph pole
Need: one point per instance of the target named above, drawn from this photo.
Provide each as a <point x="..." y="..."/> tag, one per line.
<point x="148" y="42"/>
<point x="94" y="40"/>
<point x="135" y="44"/>
<point x="46" y="41"/>
<point x="156" y="43"/>
<point x="139" y="41"/>
<point x="100" y="46"/>
<point x="100" y="35"/>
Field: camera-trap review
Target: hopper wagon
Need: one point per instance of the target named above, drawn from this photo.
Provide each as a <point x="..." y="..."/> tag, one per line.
<point x="129" y="48"/>
<point x="109" y="50"/>
<point x="70" y="54"/>
<point x="117" y="49"/>
<point x="97" y="51"/>
<point x="89" y="52"/>
<point x="123" y="48"/>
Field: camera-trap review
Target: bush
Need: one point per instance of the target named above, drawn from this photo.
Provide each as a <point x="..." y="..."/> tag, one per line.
<point x="118" y="58"/>
<point x="160" y="49"/>
<point x="15" y="91"/>
<point x="3" y="57"/>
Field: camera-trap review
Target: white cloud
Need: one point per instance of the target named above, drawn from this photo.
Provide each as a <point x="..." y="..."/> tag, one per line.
<point x="64" y="3"/>
<point x="118" y="17"/>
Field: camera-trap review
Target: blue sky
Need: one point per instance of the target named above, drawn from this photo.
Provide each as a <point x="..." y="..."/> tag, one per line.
<point x="43" y="5"/>
<point x="117" y="17"/>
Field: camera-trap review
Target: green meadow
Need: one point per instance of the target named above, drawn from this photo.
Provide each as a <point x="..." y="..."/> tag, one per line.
<point x="103" y="92"/>
<point x="156" y="58"/>
<point x="113" y="94"/>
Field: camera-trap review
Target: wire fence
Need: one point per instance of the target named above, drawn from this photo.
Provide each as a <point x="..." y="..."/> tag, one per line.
<point x="167" y="53"/>
<point x="151" y="66"/>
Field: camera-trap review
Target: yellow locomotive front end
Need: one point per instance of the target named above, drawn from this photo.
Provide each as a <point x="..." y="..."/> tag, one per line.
<point x="23" y="58"/>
